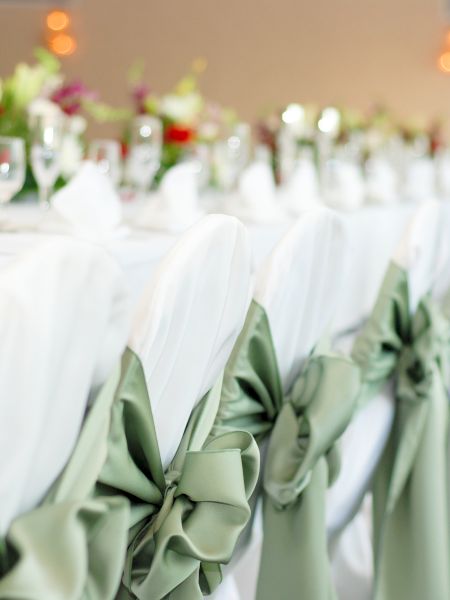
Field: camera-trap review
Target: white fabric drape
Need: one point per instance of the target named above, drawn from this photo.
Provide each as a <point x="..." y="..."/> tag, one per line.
<point x="64" y="319"/>
<point x="188" y="319"/>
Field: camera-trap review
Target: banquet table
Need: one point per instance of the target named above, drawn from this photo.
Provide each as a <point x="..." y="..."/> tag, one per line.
<point x="373" y="232"/>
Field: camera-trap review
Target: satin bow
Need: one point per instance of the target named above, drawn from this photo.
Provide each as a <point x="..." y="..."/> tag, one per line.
<point x="301" y="428"/>
<point x="184" y="522"/>
<point x="414" y="349"/>
<point x="311" y="420"/>
<point x="411" y="525"/>
<point x="72" y="546"/>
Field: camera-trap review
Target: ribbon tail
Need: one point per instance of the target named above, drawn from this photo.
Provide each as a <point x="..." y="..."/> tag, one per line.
<point x="409" y="429"/>
<point x="294" y="560"/>
<point x="412" y="540"/>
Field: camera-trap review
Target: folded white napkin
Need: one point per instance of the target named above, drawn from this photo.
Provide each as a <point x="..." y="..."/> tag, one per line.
<point x="256" y="200"/>
<point x="88" y="205"/>
<point x="176" y="205"/>
<point x="302" y="190"/>
<point x="343" y="185"/>
<point x="382" y="181"/>
<point x="442" y="165"/>
<point x="420" y="183"/>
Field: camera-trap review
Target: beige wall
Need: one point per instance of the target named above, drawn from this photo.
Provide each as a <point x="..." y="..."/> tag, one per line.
<point x="261" y="53"/>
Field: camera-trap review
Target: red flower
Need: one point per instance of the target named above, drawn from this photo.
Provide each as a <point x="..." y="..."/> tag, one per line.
<point x="124" y="149"/>
<point x="179" y="134"/>
<point x="2" y="110"/>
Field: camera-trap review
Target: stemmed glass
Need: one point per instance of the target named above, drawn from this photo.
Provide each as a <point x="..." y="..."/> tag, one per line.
<point x="12" y="167"/>
<point x="107" y="155"/>
<point x="46" y="134"/>
<point x="144" y="156"/>
<point x="232" y="155"/>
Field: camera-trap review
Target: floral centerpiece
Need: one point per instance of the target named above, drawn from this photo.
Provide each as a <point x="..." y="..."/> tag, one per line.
<point x="40" y="90"/>
<point x="343" y="131"/>
<point x="188" y="119"/>
<point x="286" y="133"/>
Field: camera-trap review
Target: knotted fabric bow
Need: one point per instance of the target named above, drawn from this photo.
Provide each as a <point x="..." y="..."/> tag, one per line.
<point x="302" y="428"/>
<point x="410" y="488"/>
<point x="185" y="521"/>
<point x="72" y="546"/>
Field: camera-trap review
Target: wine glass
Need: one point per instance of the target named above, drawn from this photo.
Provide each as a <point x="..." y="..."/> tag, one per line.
<point x="107" y="155"/>
<point x="144" y="156"/>
<point x="231" y="156"/>
<point x="12" y="167"/>
<point x="46" y="135"/>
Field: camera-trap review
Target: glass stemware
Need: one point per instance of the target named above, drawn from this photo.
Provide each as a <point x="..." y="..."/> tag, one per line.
<point x="12" y="167"/>
<point x="144" y="156"/>
<point x="46" y="155"/>
<point x="107" y="155"/>
<point x="231" y="156"/>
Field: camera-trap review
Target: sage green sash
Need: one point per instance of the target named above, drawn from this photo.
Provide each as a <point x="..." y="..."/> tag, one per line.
<point x="410" y="489"/>
<point x="301" y="457"/>
<point x="72" y="546"/>
<point x="185" y="520"/>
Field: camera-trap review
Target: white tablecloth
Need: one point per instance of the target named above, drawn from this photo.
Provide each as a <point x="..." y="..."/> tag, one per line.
<point x="373" y="233"/>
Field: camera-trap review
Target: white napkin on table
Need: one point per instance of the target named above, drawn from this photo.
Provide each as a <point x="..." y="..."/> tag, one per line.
<point x="382" y="183"/>
<point x="344" y="185"/>
<point x="420" y="179"/>
<point x="442" y="166"/>
<point x="302" y="190"/>
<point x="88" y="205"/>
<point x="176" y="205"/>
<point x="256" y="199"/>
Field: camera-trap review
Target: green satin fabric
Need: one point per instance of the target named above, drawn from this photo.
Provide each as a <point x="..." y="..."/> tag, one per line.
<point x="411" y="533"/>
<point x="302" y="428"/>
<point x="184" y="521"/>
<point x="72" y="546"/>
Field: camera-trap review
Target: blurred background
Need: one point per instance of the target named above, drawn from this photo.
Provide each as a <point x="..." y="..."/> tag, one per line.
<point x="260" y="54"/>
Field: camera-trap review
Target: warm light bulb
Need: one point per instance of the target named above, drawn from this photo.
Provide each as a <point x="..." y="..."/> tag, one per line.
<point x="444" y="62"/>
<point x="63" y="44"/>
<point x="57" y="20"/>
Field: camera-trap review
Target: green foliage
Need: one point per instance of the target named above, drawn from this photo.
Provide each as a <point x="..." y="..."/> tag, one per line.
<point x="104" y="113"/>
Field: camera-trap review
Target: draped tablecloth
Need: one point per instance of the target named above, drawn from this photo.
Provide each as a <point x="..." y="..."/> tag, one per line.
<point x="373" y="233"/>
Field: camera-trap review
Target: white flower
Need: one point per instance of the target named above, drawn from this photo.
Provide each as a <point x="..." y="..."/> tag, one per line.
<point x="374" y="139"/>
<point x="52" y="83"/>
<point x="209" y="130"/>
<point x="42" y="107"/>
<point x="76" y="124"/>
<point x="182" y="108"/>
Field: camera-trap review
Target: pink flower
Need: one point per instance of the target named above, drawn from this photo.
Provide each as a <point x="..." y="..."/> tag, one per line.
<point x="139" y="94"/>
<point x="69" y="97"/>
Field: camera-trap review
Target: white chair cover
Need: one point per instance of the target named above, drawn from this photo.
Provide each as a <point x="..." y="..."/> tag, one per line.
<point x="422" y="253"/>
<point x="188" y="320"/>
<point x="299" y="287"/>
<point x="64" y="323"/>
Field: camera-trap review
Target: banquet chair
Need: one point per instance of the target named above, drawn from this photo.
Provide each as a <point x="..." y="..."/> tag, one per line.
<point x="409" y="346"/>
<point x="189" y="497"/>
<point x="65" y="320"/>
<point x="280" y="368"/>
